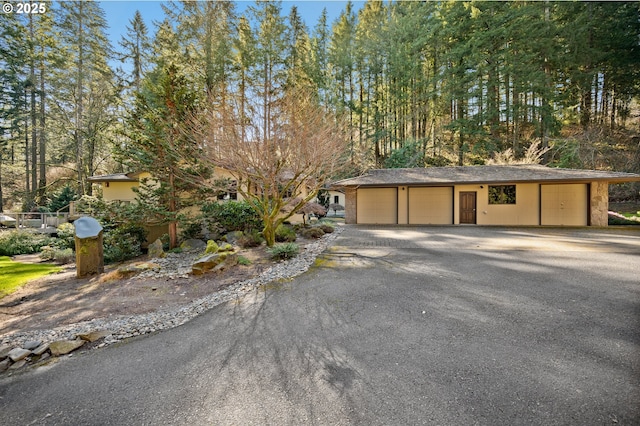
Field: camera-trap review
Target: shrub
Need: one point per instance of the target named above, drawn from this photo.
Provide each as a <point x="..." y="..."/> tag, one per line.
<point x="232" y="216"/>
<point x="314" y="233"/>
<point x="22" y="242"/>
<point x="285" y="234"/>
<point x="243" y="261"/>
<point x="66" y="236"/>
<point x="123" y="243"/>
<point x="328" y="229"/>
<point x="250" y="239"/>
<point x="284" y="251"/>
<point x="62" y="256"/>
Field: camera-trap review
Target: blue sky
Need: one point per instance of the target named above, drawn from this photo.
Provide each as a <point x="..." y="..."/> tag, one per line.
<point x="119" y="13"/>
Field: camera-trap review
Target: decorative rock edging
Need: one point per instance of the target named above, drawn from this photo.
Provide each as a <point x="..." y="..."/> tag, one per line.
<point x="35" y="345"/>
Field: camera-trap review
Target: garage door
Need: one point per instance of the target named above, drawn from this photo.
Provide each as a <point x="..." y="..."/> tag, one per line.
<point x="431" y="206"/>
<point x="377" y="205"/>
<point x="564" y="205"/>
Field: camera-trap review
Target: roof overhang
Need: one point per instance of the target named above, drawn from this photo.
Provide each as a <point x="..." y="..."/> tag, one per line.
<point x="117" y="177"/>
<point x="470" y="175"/>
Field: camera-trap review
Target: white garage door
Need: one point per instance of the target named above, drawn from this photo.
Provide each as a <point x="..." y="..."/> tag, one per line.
<point x="431" y="206"/>
<point x="377" y="205"/>
<point x="564" y="205"/>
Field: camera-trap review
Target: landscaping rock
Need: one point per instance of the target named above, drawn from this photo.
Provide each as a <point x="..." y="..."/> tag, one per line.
<point x="93" y="336"/>
<point x="155" y="250"/>
<point x="193" y="244"/>
<point x="40" y="349"/>
<point x="233" y="237"/>
<point x="4" y="365"/>
<point x="18" y="364"/>
<point x="32" y="344"/>
<point x="136" y="268"/>
<point x="206" y="263"/>
<point x="225" y="248"/>
<point x="4" y="351"/>
<point x="63" y="347"/>
<point x="212" y="247"/>
<point x="18" y="354"/>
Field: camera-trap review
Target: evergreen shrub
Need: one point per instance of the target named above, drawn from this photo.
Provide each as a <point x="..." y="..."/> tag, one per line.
<point x="284" y="251"/>
<point x="285" y="234"/>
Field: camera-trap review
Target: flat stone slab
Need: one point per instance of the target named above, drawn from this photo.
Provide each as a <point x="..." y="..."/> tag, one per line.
<point x="4" y="364"/>
<point x="18" y="354"/>
<point x="94" y="335"/>
<point x="40" y="349"/>
<point x="32" y="344"/>
<point x="63" y="347"/>
<point x="4" y="351"/>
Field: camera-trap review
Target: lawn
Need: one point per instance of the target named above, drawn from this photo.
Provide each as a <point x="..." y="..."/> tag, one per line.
<point x="15" y="274"/>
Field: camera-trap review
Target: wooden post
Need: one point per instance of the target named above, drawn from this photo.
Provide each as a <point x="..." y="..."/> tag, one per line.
<point x="89" y="249"/>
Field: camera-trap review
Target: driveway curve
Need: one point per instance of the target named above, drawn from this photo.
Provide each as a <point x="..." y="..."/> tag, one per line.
<point x="393" y="326"/>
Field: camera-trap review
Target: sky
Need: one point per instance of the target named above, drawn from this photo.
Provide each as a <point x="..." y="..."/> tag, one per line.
<point x="120" y="12"/>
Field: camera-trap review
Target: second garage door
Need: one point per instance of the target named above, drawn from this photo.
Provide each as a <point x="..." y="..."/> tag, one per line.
<point x="431" y="206"/>
<point x="377" y="205"/>
<point x="564" y="204"/>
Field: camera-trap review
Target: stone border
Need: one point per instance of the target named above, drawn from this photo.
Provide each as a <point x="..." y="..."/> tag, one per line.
<point x="123" y="327"/>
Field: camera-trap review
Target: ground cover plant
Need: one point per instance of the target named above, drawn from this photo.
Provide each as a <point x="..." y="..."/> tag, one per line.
<point x="13" y="275"/>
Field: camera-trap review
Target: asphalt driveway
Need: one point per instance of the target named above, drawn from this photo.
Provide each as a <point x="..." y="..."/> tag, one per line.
<point x="393" y="326"/>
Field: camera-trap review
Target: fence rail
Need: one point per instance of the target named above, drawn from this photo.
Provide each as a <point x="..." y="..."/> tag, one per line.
<point x="42" y="222"/>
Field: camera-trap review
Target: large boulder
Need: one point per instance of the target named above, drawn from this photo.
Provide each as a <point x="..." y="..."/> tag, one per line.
<point x="155" y="250"/>
<point x="214" y="262"/>
<point x="193" y="244"/>
<point x="63" y="347"/>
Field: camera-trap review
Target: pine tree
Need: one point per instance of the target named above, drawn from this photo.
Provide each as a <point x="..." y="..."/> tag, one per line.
<point x="84" y="91"/>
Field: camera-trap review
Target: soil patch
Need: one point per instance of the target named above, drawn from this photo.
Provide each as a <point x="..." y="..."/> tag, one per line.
<point x="62" y="299"/>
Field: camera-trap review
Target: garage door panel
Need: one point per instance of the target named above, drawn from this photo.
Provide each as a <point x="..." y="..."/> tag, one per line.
<point x="564" y="204"/>
<point x="431" y="206"/>
<point x="377" y="206"/>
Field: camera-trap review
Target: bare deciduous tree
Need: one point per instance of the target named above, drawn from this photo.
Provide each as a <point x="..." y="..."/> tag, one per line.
<point x="303" y="148"/>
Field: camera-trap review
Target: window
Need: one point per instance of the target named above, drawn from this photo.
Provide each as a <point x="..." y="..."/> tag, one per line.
<point x="502" y="194"/>
<point x="336" y="199"/>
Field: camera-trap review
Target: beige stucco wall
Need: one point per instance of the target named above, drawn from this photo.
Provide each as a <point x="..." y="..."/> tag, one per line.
<point x="118" y="191"/>
<point x="524" y="212"/>
<point x="403" y="205"/>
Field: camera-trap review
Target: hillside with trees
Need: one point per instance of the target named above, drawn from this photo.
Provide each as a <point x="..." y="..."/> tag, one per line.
<point x="417" y="84"/>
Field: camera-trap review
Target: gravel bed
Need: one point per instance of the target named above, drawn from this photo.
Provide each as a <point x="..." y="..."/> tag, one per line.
<point x="123" y="327"/>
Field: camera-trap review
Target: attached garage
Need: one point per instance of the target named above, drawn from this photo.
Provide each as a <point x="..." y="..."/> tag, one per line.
<point x="483" y="195"/>
<point x="431" y="206"/>
<point x="377" y="206"/>
<point x="564" y="205"/>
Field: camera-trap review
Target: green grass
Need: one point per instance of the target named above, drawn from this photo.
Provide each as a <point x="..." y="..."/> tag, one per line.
<point x="16" y="274"/>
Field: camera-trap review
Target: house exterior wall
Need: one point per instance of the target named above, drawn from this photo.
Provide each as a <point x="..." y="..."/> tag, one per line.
<point x="536" y="204"/>
<point x="119" y="191"/>
<point x="524" y="212"/>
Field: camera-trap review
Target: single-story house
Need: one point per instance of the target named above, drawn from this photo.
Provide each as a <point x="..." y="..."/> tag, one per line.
<point x="120" y="187"/>
<point x="482" y="195"/>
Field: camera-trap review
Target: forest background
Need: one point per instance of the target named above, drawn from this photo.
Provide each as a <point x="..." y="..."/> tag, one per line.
<point x="419" y="84"/>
